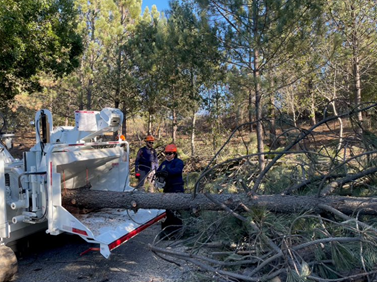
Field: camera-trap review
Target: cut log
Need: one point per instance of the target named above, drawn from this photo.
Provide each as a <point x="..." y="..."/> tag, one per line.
<point x="87" y="199"/>
<point x="8" y="264"/>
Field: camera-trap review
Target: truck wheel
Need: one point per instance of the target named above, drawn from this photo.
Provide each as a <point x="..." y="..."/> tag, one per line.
<point x="8" y="264"/>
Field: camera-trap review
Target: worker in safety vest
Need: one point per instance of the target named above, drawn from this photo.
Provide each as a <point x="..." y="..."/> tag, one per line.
<point x="146" y="163"/>
<point x="171" y="169"/>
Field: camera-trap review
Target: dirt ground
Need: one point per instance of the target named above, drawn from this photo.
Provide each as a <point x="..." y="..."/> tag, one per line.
<point x="57" y="259"/>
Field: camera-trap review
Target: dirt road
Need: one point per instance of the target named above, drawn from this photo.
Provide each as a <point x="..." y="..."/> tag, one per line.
<point x="57" y="259"/>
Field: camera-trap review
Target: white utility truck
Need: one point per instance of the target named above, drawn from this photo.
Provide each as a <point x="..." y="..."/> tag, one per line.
<point x="64" y="158"/>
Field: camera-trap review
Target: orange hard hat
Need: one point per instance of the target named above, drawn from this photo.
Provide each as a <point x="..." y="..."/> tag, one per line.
<point x="149" y="138"/>
<point x="122" y="138"/>
<point x="171" y="148"/>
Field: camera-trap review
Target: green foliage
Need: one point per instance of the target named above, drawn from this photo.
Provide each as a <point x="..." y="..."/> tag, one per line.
<point x="269" y="223"/>
<point x="370" y="255"/>
<point x="344" y="258"/>
<point x="36" y="36"/>
<point x="305" y="224"/>
<point x="325" y="271"/>
<point x="278" y="180"/>
<point x="190" y="180"/>
<point x="293" y="276"/>
<point x="219" y="226"/>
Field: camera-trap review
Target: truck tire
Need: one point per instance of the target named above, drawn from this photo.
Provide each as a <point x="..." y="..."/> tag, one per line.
<point x="8" y="264"/>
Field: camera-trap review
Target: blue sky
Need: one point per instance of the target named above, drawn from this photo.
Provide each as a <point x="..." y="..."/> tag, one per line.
<point x="160" y="4"/>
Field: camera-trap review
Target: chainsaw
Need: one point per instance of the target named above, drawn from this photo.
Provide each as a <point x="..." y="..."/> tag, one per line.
<point x="159" y="179"/>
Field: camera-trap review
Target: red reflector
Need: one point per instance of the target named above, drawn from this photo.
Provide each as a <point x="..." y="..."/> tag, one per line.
<point x="133" y="233"/>
<point x="85" y="112"/>
<point x="79" y="231"/>
<point x="89" y="250"/>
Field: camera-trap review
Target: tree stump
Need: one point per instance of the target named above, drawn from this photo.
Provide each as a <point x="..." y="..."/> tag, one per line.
<point x="8" y="264"/>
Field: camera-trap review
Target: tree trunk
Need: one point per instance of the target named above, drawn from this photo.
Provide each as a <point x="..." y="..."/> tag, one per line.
<point x="274" y="143"/>
<point x="313" y="119"/>
<point x="193" y="121"/>
<point x="149" y="131"/>
<point x="174" y="126"/>
<point x="81" y="94"/>
<point x="89" y="88"/>
<point x="86" y="199"/>
<point x="258" y="94"/>
<point x="250" y="108"/>
<point x="332" y="102"/>
<point x="356" y="68"/>
<point x="124" y="125"/>
<point x="8" y="264"/>
<point x="258" y="109"/>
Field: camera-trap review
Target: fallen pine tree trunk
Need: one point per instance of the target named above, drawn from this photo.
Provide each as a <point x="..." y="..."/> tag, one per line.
<point x="86" y="199"/>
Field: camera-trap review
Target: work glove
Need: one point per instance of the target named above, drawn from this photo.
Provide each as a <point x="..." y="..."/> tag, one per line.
<point x="137" y="175"/>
